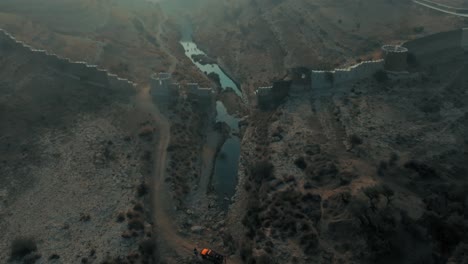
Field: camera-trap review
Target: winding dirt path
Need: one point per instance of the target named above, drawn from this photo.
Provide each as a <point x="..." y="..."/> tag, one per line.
<point x="171" y="243"/>
<point x="169" y="240"/>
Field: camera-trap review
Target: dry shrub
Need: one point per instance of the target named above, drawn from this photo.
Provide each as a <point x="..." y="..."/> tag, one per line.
<point x="120" y="217"/>
<point x="136" y="224"/>
<point x="22" y="247"/>
<point x="138" y="208"/>
<point x="147" y="247"/>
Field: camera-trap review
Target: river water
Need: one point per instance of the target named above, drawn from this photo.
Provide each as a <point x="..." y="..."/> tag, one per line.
<point x="226" y="82"/>
<point x="224" y="178"/>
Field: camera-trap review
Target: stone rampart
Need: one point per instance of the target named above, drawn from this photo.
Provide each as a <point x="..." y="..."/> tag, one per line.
<point x="81" y="71"/>
<point x="327" y="79"/>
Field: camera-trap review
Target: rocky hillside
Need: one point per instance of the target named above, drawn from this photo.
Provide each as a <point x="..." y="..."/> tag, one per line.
<point x="73" y="166"/>
<point x="365" y="172"/>
<point x="118" y="35"/>
<point x="258" y="39"/>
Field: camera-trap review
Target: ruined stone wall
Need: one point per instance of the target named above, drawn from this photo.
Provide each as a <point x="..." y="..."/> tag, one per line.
<point x="271" y="96"/>
<point x="264" y="96"/>
<point x="79" y="71"/>
<point x="327" y="79"/>
<point x="205" y="96"/>
<point x="160" y="85"/>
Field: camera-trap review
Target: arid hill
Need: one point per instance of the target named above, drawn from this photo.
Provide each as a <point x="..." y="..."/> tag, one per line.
<point x="118" y="35"/>
<point x="74" y="155"/>
<point x="367" y="172"/>
<point x="257" y="40"/>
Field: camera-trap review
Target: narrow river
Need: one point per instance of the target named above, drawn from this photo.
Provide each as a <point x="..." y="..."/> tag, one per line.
<point x="224" y="178"/>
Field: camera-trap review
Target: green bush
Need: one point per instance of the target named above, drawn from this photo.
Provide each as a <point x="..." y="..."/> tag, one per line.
<point x="136" y="224"/>
<point x="22" y="247"/>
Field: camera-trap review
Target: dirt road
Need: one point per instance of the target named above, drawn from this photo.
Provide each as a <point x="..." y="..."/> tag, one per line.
<point x="168" y="238"/>
<point x="172" y="245"/>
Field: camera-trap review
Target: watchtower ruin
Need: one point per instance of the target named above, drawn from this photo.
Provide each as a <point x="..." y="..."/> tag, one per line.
<point x="395" y="58"/>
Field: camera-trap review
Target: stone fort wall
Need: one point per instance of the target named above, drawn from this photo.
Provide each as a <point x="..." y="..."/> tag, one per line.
<point x="452" y="43"/>
<point x="327" y="79"/>
<point x="80" y="71"/>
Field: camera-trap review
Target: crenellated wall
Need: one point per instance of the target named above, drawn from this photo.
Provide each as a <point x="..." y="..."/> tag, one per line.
<point x="327" y="79"/>
<point x="160" y="84"/>
<point x="206" y="95"/>
<point x="80" y="71"/>
<point x="264" y="96"/>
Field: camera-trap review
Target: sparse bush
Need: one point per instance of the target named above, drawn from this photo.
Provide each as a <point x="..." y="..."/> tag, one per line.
<point x="312" y="149"/>
<point x="126" y="234"/>
<point x="138" y="207"/>
<point x="382" y="168"/>
<point x="261" y="171"/>
<point x="147" y="156"/>
<point x="372" y="192"/>
<point x="146" y="133"/>
<point x="22" y="247"/>
<point x="136" y="224"/>
<point x="388" y="193"/>
<point x="393" y="159"/>
<point x="247" y="186"/>
<point x="430" y="106"/>
<point x="54" y="256"/>
<point x="309" y="243"/>
<point x="147" y="247"/>
<point x="346" y="177"/>
<point x="133" y="256"/>
<point x="130" y="214"/>
<point x="263" y="259"/>
<point x="300" y="163"/>
<point x="85" y="217"/>
<point x="246" y="252"/>
<point x="120" y="217"/>
<point x="308" y="185"/>
<point x="423" y="170"/>
<point x="31" y="258"/>
<point x="355" y="140"/>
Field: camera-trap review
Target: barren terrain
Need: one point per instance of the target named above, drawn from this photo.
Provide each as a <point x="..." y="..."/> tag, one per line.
<point x="118" y="35"/>
<point x="366" y="172"/>
<point x="75" y="166"/>
<point x="369" y="172"/>
<point x="257" y="40"/>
